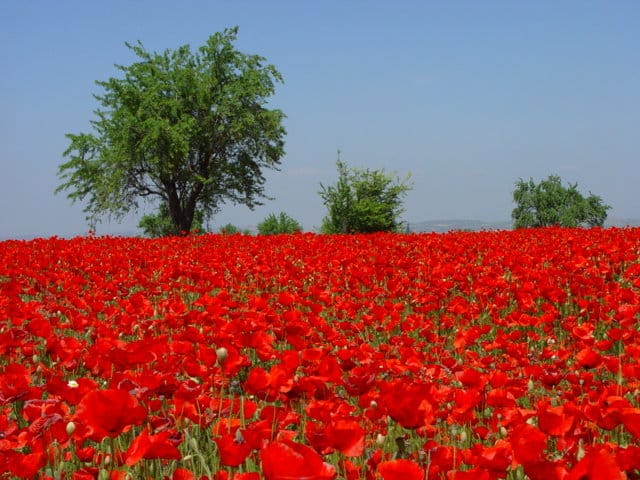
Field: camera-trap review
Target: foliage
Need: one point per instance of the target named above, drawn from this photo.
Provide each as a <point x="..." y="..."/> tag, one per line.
<point x="191" y="129"/>
<point x="363" y="201"/>
<point x="231" y="229"/>
<point x="550" y="203"/>
<point x="160" y="224"/>
<point x="277" y="224"/>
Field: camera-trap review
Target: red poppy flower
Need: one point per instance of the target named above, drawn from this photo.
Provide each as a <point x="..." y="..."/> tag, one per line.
<point x="347" y="436"/>
<point x="233" y="449"/>
<point x="71" y="392"/>
<point x="107" y="413"/>
<point x="495" y="458"/>
<point x="597" y="464"/>
<point x="119" y="475"/>
<point x="400" y="470"/>
<point x="14" y="383"/>
<point x="88" y="473"/>
<point x="588" y="358"/>
<point x="408" y="404"/>
<point x="153" y="446"/>
<point x="246" y="476"/>
<point x="528" y="444"/>
<point x="287" y="460"/>
<point x="631" y="420"/>
<point x="476" y="473"/>
<point x="555" y="420"/>
<point x="25" y="465"/>
<point x="183" y="474"/>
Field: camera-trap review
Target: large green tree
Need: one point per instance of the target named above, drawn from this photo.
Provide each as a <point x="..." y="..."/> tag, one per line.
<point x="363" y="201"/>
<point x="190" y="129"/>
<point x="550" y="203"/>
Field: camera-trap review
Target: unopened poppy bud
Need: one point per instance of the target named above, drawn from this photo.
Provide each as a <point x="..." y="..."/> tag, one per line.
<point x="71" y="427"/>
<point x="463" y="436"/>
<point x="380" y="440"/>
<point x="222" y="355"/>
<point x="503" y="431"/>
<point x="530" y="385"/>
<point x="580" y="453"/>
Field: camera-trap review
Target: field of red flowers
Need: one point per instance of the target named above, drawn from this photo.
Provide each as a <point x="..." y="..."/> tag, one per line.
<point x="492" y="355"/>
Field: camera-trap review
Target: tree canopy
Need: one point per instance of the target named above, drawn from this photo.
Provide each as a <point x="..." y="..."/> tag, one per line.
<point x="188" y="129"/>
<point x="550" y="203"/>
<point x="363" y="201"/>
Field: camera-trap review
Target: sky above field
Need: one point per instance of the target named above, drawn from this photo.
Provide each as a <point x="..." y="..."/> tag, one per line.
<point x="466" y="96"/>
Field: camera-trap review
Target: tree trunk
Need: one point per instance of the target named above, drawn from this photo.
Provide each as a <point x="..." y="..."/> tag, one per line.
<point x="181" y="221"/>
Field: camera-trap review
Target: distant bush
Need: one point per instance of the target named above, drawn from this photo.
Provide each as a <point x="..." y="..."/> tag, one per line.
<point x="229" y="229"/>
<point x="283" y="223"/>
<point x="363" y="201"/>
<point x="550" y="203"/>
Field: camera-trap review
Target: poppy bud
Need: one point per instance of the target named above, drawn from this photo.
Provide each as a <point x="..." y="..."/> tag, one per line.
<point x="222" y="355"/>
<point x="380" y="439"/>
<point x="581" y="453"/>
<point x="71" y="427"/>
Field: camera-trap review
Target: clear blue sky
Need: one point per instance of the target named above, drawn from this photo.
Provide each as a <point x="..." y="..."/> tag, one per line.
<point x="468" y="96"/>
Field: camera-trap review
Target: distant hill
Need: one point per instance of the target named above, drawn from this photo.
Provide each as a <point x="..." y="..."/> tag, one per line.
<point x="622" y="222"/>
<point x="448" y="225"/>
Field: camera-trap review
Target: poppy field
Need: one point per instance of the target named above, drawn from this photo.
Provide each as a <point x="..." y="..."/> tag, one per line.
<point x="467" y="355"/>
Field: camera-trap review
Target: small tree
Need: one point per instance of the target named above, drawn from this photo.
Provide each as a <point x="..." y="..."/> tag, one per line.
<point x="550" y="203"/>
<point x="231" y="229"/>
<point x="363" y="201"/>
<point x="283" y="223"/>
<point x="191" y="129"/>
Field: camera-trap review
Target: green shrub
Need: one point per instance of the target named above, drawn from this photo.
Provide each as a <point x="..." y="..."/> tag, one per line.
<point x="363" y="201"/>
<point x="283" y="223"/>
